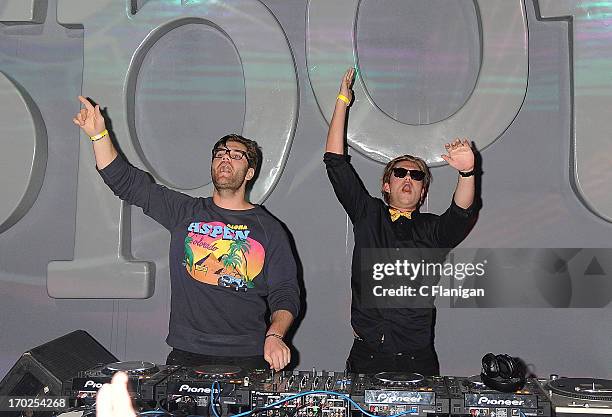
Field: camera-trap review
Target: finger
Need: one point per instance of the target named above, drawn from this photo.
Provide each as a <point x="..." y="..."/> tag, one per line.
<point x="446" y="158"/>
<point x="76" y="122"/>
<point x="122" y="400"/>
<point x="278" y="360"/>
<point x="86" y="103"/>
<point x="281" y="358"/>
<point x="287" y="357"/>
<point x="83" y="113"/>
<point x="104" y="401"/>
<point x="273" y="361"/>
<point x="97" y="111"/>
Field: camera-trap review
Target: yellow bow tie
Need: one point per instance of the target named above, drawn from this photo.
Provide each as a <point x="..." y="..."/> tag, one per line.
<point x="396" y="214"/>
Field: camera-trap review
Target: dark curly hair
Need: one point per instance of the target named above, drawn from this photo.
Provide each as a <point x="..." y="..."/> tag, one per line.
<point x="252" y="148"/>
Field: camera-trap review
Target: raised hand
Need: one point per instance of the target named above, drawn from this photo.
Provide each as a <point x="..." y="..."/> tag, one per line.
<point x="89" y="119"/>
<point x="460" y="155"/>
<point x="347" y="82"/>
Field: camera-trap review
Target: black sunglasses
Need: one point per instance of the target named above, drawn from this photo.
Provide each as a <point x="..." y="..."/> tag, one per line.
<point x="415" y="174"/>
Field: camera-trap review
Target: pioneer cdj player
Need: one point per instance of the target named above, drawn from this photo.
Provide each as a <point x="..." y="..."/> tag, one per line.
<point x="144" y="378"/>
<point x="189" y="389"/>
<point x="389" y="393"/>
<point x="470" y="396"/>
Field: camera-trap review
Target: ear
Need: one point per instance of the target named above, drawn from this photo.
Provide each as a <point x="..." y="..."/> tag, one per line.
<point x="386" y="188"/>
<point x="250" y="174"/>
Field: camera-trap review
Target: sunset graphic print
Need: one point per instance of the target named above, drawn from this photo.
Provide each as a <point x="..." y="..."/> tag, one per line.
<point x="223" y="254"/>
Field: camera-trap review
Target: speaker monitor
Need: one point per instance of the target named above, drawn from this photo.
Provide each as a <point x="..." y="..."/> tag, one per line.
<point x="41" y="370"/>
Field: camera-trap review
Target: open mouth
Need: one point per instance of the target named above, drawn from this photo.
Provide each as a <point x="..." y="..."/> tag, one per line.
<point x="407" y="188"/>
<point x="225" y="168"/>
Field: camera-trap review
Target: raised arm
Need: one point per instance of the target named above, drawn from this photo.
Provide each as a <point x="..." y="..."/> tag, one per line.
<point x="335" y="135"/>
<point x="130" y="184"/>
<point x="455" y="222"/>
<point x="461" y="157"/>
<point x="347" y="186"/>
<point x="91" y="121"/>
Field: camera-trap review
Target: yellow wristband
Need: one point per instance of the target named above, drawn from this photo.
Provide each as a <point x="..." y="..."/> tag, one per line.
<point x="344" y="98"/>
<point x="99" y="135"/>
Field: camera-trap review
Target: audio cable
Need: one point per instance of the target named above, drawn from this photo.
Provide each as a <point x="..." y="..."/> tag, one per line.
<point x="293" y="397"/>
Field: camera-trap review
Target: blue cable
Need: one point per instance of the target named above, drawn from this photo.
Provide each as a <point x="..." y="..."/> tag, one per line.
<point x="212" y="397"/>
<point x="293" y="397"/>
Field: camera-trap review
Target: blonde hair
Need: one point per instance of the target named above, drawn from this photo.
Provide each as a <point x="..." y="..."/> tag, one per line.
<point x="392" y="163"/>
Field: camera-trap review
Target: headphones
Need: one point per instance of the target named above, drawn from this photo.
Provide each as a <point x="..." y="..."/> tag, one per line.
<point x="503" y="372"/>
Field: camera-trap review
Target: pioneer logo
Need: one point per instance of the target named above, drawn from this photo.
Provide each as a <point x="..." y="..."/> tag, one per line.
<point x="92" y="384"/>
<point x="399" y="398"/>
<point x="194" y="390"/>
<point x="487" y="401"/>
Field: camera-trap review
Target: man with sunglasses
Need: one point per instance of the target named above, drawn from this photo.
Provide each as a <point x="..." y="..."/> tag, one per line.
<point x="229" y="261"/>
<point x="395" y="339"/>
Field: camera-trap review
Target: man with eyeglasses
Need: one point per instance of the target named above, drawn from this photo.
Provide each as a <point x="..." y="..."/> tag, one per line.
<point x="230" y="260"/>
<point x="395" y="339"/>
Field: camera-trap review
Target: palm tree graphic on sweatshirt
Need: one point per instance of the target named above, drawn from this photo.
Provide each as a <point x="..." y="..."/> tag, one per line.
<point x="188" y="253"/>
<point x="243" y="246"/>
<point x="217" y="260"/>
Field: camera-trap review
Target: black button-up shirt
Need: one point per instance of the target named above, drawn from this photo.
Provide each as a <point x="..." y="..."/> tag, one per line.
<point x="400" y="329"/>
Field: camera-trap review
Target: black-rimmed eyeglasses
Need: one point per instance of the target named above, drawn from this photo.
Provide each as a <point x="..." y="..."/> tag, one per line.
<point x="236" y="154"/>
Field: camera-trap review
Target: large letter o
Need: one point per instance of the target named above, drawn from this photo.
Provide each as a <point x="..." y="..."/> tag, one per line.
<point x="497" y="97"/>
